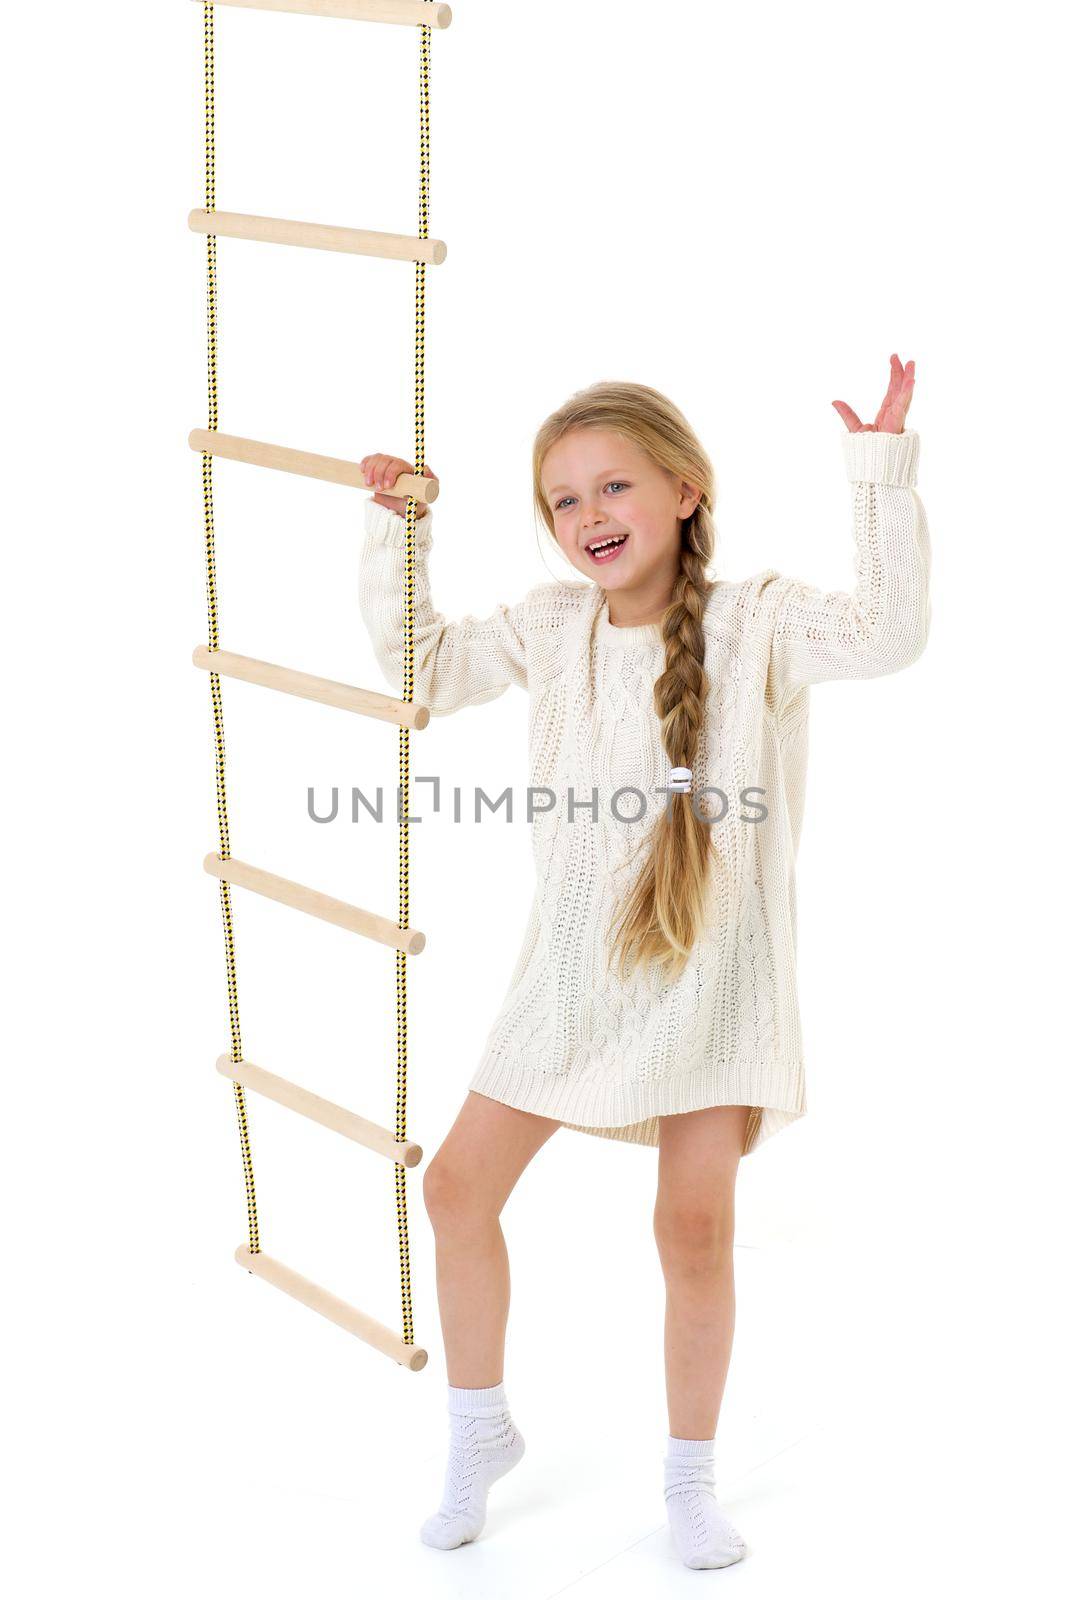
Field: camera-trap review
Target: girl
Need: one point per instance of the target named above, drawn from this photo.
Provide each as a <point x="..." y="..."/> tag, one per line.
<point x="654" y="996"/>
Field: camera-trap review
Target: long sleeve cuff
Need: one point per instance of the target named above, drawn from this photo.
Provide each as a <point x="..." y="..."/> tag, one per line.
<point x="882" y="457"/>
<point x="390" y="528"/>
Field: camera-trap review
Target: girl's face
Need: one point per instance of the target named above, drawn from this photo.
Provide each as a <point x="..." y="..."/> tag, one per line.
<point x="601" y="487"/>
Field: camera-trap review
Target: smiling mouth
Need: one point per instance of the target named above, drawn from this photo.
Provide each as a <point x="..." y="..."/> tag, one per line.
<point x="603" y="549"/>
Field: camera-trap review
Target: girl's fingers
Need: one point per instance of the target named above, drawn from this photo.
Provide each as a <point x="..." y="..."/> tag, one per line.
<point x="895" y="414"/>
<point x="892" y="394"/>
<point x="888" y="418"/>
<point x="904" y="380"/>
<point x="382" y="471"/>
<point x="908" y="390"/>
<point x="847" y="415"/>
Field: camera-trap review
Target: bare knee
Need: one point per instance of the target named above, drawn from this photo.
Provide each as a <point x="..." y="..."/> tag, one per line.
<point x="452" y="1198"/>
<point x="693" y="1240"/>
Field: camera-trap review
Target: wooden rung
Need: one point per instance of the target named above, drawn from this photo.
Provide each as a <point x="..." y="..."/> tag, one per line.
<point x="339" y="912"/>
<point x="417" y="12"/>
<point x="291" y="1095"/>
<point x="318" y="236"/>
<point x="367" y="1328"/>
<point x="332" y="469"/>
<point x="401" y="713"/>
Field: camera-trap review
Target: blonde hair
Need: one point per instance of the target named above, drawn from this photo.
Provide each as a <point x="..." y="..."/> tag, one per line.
<point x="665" y="911"/>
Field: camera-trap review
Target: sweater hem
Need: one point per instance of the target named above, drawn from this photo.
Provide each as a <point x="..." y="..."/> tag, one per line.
<point x="631" y="1111"/>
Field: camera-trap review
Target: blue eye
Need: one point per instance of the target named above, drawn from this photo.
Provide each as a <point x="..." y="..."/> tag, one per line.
<point x="614" y="482"/>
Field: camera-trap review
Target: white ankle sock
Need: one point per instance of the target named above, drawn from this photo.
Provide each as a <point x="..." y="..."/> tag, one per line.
<point x="703" y="1533"/>
<point x="484" y="1443"/>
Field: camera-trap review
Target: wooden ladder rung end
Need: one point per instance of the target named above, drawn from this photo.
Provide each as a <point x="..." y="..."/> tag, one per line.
<point x="305" y="463"/>
<point x="372" y="1135"/>
<point x="328" y="1305"/>
<point x="318" y="236"/>
<point x="315" y="904"/>
<point x="413" y="13"/>
<point x="325" y="691"/>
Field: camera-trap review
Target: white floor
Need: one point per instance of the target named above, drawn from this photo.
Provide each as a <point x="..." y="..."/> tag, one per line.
<point x="892" y="1422"/>
<point x="279" y="1457"/>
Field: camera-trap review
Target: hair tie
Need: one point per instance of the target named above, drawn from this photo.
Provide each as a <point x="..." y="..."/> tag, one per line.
<point x="680" y="780"/>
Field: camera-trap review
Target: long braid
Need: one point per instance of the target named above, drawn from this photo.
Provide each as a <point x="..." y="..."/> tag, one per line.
<point x="663" y="915"/>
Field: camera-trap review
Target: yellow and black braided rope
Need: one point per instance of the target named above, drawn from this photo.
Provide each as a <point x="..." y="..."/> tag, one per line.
<point x="213" y="618"/>
<point x="409" y="680"/>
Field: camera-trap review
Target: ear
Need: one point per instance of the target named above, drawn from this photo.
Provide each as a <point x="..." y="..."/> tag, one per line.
<point x="688" y="501"/>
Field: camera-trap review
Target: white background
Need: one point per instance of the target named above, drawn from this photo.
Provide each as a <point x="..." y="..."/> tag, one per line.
<point x="750" y="208"/>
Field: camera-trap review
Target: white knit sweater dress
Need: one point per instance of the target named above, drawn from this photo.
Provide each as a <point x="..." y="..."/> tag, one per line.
<point x="570" y="1040"/>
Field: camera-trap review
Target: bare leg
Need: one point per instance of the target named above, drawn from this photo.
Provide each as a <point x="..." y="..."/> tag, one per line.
<point x="694" y="1223"/>
<point x="694" y="1228"/>
<point x="464" y="1189"/>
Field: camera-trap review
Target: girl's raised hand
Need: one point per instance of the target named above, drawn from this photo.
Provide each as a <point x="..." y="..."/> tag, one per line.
<point x="894" y="407"/>
<point x="384" y="470"/>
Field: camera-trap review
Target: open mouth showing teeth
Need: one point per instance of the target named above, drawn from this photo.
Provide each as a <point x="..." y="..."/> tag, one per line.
<point x="604" y="549"/>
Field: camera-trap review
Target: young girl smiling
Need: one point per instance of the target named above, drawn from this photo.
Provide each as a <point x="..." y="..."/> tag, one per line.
<point x="654" y="996"/>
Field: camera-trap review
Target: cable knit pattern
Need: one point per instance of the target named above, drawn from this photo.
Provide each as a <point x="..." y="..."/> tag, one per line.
<point x="570" y="1041"/>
